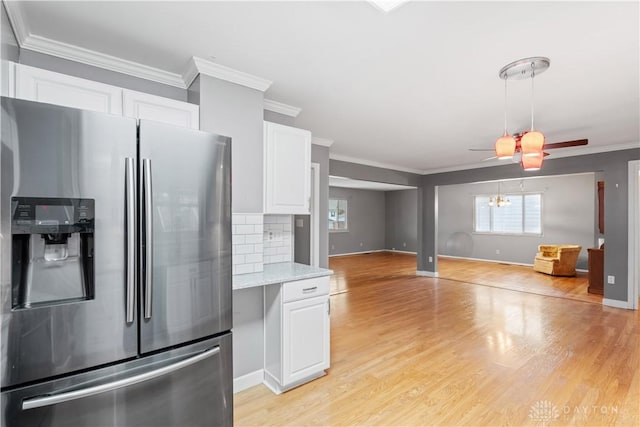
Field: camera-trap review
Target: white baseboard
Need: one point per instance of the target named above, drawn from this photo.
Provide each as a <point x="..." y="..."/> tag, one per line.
<point x="616" y="303"/>
<point x="486" y="260"/>
<point x="401" y="252"/>
<point x="248" y="380"/>
<point x="499" y="262"/>
<point x="359" y="253"/>
<point x="426" y="273"/>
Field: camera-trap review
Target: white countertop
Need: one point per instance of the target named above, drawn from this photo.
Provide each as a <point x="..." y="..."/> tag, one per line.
<point x="278" y="273"/>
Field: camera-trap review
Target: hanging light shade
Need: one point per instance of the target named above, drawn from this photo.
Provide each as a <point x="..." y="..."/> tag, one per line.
<point x="532" y="163"/>
<point x="531" y="144"/>
<point x="505" y="147"/>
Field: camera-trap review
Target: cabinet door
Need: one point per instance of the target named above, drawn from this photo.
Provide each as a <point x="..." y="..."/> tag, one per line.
<point x="305" y="341"/>
<point x="35" y="84"/>
<point x="144" y="106"/>
<point x="287" y="169"/>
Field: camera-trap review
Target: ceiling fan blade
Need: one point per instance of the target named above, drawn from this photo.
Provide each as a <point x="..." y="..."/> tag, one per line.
<point x="481" y="149"/>
<point x="565" y="144"/>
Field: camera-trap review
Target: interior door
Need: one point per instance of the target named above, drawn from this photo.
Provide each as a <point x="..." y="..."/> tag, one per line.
<point x="56" y="153"/>
<point x="185" y="281"/>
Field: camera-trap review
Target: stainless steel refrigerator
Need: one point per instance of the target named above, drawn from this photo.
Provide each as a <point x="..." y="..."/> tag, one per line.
<point x="115" y="271"/>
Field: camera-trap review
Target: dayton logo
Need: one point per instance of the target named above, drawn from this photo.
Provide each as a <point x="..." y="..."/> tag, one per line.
<point x="544" y="412"/>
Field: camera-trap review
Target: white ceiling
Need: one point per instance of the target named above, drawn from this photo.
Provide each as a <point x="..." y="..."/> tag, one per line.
<point x="342" y="182"/>
<point x="413" y="88"/>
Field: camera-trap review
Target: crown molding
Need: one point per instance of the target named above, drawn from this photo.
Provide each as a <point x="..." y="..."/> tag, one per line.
<point x="281" y="108"/>
<point x="322" y="141"/>
<point x="374" y="164"/>
<point x="567" y="152"/>
<point x="16" y="18"/>
<point x="221" y="72"/>
<point x="101" y="60"/>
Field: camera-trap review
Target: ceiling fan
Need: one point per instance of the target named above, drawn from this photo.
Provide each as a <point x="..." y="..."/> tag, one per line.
<point x="546" y="146"/>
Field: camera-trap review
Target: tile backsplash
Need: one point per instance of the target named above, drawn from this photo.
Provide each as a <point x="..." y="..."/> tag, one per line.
<point x="278" y="238"/>
<point x="247" y="240"/>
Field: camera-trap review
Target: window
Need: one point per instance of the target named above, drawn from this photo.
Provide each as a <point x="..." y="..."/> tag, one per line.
<point x="337" y="215"/>
<point x="522" y="216"/>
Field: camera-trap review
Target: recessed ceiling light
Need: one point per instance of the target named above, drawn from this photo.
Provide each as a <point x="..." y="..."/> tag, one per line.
<point x="387" y="5"/>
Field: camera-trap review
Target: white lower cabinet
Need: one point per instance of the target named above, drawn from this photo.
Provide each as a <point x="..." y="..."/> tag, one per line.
<point x="296" y="332"/>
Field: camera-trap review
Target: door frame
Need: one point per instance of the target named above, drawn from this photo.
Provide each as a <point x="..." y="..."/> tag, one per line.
<point x="314" y="221"/>
<point x="633" y="281"/>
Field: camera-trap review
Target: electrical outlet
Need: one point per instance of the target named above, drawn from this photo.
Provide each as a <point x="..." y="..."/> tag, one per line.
<point x="404" y="245"/>
<point x="360" y="244"/>
<point x="430" y="259"/>
<point x="497" y="251"/>
<point x="611" y="280"/>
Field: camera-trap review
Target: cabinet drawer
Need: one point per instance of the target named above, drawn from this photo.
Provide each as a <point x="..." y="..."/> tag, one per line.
<point x="307" y="288"/>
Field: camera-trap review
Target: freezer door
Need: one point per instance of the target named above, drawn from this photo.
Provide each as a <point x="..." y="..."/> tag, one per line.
<point x="190" y="386"/>
<point x="64" y="302"/>
<point x="185" y="228"/>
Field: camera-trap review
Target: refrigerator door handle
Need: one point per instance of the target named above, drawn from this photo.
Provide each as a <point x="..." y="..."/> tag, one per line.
<point x="148" y="236"/>
<point x="130" y="188"/>
<point x="39" y="402"/>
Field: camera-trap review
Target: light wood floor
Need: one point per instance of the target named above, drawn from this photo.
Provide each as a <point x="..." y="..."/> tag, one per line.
<point x="416" y="351"/>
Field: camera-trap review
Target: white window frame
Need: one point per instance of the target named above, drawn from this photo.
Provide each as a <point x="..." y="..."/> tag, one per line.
<point x="508" y="196"/>
<point x="346" y="215"/>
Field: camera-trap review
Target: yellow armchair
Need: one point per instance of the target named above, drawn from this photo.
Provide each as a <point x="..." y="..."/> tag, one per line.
<point x="557" y="260"/>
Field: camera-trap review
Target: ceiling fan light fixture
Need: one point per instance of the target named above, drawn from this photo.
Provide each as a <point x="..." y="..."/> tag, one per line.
<point x="531" y="144"/>
<point x="505" y="147"/>
<point x="532" y="163"/>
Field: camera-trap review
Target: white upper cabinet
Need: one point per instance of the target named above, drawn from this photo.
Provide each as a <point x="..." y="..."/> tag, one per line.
<point x="35" y="84"/>
<point x="287" y="169"/>
<point x="151" y="107"/>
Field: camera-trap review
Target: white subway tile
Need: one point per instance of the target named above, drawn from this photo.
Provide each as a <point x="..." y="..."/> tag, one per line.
<point x="253" y="258"/>
<point x="287" y="227"/>
<point x="253" y="219"/>
<point x="253" y="238"/>
<point x="233" y="229"/>
<point x="238" y="239"/>
<point x="270" y="219"/>
<point x="245" y="249"/>
<point x="270" y="251"/>
<point x="258" y="248"/>
<point x="238" y="219"/>
<point x="244" y="268"/>
<point x="283" y="250"/>
<point x="244" y="229"/>
<point x="258" y="229"/>
<point x="284" y="219"/>
<point x="286" y="258"/>
<point x="234" y="249"/>
<point x="258" y="267"/>
<point x="239" y="259"/>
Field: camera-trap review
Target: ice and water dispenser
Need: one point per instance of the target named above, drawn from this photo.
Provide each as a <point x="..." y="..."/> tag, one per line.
<point x="53" y="259"/>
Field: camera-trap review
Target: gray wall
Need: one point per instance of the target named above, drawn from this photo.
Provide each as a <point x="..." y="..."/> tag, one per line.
<point x="401" y="220"/>
<point x="320" y="155"/>
<point x="236" y="111"/>
<point x="372" y="173"/>
<point x="365" y="221"/>
<point x="614" y="166"/>
<point x="282" y="119"/>
<point x="568" y="216"/>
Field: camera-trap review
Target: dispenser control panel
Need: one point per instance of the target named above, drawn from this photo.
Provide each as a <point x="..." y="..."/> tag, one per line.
<point x="45" y="215"/>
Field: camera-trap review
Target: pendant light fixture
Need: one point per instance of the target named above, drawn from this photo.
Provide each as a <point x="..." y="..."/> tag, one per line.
<point x="506" y="144"/>
<point x="499" y="201"/>
<point x="532" y="141"/>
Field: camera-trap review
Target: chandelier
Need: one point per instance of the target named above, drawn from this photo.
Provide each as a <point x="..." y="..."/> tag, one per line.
<point x="532" y="141"/>
<point x="499" y="201"/>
